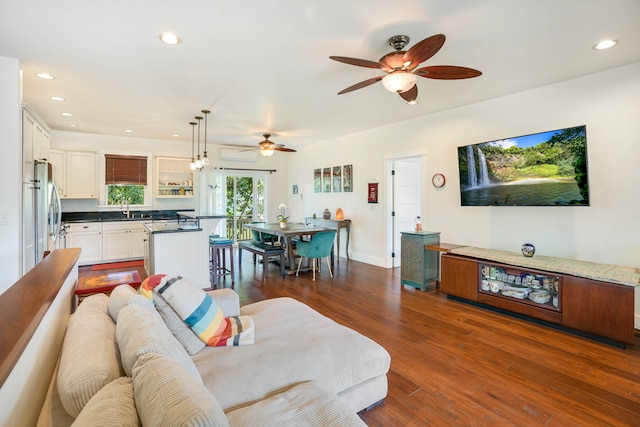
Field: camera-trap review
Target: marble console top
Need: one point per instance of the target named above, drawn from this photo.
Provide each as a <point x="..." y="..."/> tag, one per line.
<point x="629" y="276"/>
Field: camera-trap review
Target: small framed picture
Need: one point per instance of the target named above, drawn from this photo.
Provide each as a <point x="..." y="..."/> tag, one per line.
<point x="372" y="192"/>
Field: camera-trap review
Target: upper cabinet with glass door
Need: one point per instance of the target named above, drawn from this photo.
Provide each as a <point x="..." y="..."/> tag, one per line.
<point x="173" y="177"/>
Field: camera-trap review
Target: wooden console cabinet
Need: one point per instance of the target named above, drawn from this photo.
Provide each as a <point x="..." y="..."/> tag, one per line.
<point x="597" y="308"/>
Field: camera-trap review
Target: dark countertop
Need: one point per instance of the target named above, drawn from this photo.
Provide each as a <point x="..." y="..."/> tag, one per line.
<point x="148" y="215"/>
<point x="200" y="215"/>
<point x="170" y="227"/>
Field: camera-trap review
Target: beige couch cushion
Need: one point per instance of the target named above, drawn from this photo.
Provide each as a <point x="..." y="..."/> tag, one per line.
<point x="140" y="330"/>
<point x="122" y="296"/>
<point x="167" y="395"/>
<point x="304" y="405"/>
<point x="112" y="406"/>
<point x="90" y="358"/>
<point x="293" y="344"/>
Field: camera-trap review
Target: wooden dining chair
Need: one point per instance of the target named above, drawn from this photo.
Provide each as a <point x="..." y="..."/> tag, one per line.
<point x="320" y="246"/>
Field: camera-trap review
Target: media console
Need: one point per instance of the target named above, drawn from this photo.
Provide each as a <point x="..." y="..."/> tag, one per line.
<point x="594" y="299"/>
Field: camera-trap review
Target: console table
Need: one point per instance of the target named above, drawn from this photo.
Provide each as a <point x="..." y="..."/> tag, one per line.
<point x="592" y="298"/>
<point x="334" y="224"/>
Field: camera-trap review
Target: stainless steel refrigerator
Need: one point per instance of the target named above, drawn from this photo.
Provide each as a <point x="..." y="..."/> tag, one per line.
<point x="42" y="215"/>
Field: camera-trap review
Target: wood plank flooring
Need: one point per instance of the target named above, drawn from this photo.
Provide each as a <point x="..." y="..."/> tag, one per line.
<point x="460" y="365"/>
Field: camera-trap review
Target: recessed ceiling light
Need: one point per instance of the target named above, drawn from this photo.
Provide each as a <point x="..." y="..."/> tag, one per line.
<point x="175" y="135"/>
<point x="66" y="114"/>
<point x="128" y="130"/>
<point x="46" y="76"/>
<point x="170" y="38"/>
<point x="605" y="44"/>
<point x="72" y="125"/>
<point x="57" y="98"/>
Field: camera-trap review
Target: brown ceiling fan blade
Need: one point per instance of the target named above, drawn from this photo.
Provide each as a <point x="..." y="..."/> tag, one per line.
<point x="424" y="50"/>
<point x="356" y="61"/>
<point x="447" y="72"/>
<point x="361" y="85"/>
<point x="288" y="150"/>
<point x="411" y="94"/>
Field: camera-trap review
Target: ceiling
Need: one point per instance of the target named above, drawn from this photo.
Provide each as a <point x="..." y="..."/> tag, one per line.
<point x="263" y="66"/>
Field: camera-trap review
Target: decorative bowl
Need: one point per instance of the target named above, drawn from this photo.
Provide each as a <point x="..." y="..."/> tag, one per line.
<point x="528" y="250"/>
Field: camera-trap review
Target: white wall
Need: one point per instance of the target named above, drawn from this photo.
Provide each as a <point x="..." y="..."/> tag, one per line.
<point x="91" y="142"/>
<point x="607" y="231"/>
<point x="10" y="164"/>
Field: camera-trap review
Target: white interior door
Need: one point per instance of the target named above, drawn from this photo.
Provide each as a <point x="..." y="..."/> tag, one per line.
<point x="407" y="191"/>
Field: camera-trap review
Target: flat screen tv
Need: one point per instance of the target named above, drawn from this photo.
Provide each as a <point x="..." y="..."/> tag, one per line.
<point x="542" y="169"/>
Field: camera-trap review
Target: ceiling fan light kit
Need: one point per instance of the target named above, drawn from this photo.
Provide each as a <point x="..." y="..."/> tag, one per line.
<point x="399" y="81"/>
<point x="400" y="67"/>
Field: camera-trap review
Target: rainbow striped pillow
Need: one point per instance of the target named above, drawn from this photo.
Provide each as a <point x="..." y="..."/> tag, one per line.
<point x="203" y="315"/>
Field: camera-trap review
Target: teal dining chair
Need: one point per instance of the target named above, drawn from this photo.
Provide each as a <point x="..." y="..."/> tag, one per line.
<point x="318" y="247"/>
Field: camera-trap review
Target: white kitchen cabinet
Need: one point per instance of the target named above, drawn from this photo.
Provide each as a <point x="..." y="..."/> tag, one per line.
<point x="74" y="173"/>
<point x="122" y="240"/>
<point x="88" y="237"/>
<point x="35" y="141"/>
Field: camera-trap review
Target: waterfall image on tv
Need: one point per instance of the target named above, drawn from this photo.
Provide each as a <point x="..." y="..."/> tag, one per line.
<point x="542" y="169"/>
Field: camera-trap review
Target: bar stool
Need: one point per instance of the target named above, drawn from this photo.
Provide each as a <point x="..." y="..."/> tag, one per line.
<point x="218" y="262"/>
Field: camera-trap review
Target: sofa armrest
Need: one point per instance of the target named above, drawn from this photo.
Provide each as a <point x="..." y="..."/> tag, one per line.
<point x="228" y="300"/>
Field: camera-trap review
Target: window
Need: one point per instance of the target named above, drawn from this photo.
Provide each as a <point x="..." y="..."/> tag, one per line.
<point x="126" y="179"/>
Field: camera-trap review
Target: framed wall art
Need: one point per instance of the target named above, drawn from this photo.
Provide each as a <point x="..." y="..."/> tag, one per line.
<point x="326" y="180"/>
<point x="347" y="178"/>
<point x="372" y="192"/>
<point x="317" y="180"/>
<point x="337" y="179"/>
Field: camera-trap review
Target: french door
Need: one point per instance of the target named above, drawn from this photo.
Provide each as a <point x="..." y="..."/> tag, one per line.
<point x="246" y="201"/>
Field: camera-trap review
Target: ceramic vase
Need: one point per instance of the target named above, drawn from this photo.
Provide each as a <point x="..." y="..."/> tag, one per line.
<point x="528" y="250"/>
<point x="283" y="224"/>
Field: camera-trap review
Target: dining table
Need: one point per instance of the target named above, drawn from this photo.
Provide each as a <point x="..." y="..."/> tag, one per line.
<point x="287" y="234"/>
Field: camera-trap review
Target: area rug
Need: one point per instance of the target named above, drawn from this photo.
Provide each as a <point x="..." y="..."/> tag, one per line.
<point x="123" y="264"/>
<point x="90" y="285"/>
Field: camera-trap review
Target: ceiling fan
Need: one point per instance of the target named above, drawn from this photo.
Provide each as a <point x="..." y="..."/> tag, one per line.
<point x="401" y="65"/>
<point x="267" y="147"/>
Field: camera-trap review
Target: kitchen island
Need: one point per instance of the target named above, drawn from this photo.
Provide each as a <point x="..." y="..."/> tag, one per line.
<point x="181" y="247"/>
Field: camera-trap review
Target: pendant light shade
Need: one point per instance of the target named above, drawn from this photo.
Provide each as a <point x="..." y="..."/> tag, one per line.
<point x="205" y="158"/>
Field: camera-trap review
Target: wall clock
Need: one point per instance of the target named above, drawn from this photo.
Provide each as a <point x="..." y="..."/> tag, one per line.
<point x="438" y="180"/>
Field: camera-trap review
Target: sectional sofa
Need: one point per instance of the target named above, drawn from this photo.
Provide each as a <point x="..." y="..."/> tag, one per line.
<point x="124" y="363"/>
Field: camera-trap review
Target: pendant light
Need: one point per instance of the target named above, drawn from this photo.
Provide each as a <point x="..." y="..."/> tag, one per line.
<point x="198" y="160"/>
<point x="192" y="165"/>
<point x="205" y="159"/>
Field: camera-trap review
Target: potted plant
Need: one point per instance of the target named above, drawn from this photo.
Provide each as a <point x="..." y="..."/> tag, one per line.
<point x="282" y="219"/>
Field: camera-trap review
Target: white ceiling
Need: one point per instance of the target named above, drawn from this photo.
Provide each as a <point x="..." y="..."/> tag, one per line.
<point x="263" y="66"/>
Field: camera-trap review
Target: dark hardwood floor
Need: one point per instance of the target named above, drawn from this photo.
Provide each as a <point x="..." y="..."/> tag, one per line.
<point x="456" y="364"/>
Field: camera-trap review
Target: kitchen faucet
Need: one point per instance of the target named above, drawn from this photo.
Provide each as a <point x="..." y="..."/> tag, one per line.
<point x="127" y="212"/>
